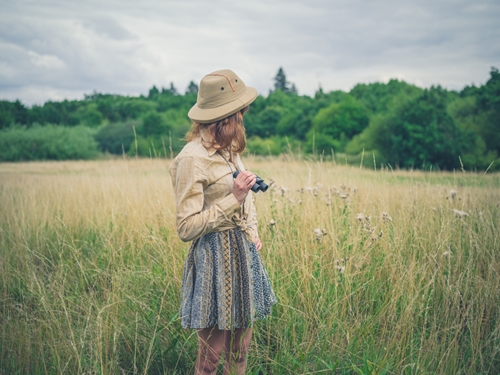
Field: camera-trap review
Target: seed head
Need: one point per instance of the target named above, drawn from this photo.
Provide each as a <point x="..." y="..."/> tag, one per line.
<point x="272" y="222"/>
<point x="460" y="214"/>
<point x="386" y="217"/>
<point x="341" y="269"/>
<point x="319" y="233"/>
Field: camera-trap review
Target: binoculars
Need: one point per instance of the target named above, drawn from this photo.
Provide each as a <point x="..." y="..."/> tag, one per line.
<point x="259" y="185"/>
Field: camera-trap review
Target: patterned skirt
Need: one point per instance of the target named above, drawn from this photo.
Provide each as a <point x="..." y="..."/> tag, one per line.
<point x="225" y="283"/>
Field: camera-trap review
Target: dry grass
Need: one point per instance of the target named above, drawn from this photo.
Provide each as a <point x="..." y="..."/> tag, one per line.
<point x="374" y="270"/>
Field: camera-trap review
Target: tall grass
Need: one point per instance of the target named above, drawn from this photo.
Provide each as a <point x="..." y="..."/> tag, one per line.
<point x="374" y="270"/>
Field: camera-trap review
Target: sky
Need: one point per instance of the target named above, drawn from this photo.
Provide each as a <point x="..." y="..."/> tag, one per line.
<point x="55" y="50"/>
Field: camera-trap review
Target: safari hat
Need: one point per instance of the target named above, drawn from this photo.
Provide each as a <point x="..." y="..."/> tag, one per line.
<point x="221" y="94"/>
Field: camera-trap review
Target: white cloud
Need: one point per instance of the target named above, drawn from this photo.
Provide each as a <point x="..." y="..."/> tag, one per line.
<point x="52" y="49"/>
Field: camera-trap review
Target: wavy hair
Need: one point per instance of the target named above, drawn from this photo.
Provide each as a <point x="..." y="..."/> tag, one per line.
<point x="227" y="134"/>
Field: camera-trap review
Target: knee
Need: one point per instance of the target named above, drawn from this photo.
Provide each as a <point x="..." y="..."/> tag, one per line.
<point x="239" y="353"/>
<point x="208" y="359"/>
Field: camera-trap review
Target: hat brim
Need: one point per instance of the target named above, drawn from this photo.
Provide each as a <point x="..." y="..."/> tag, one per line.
<point x="209" y="115"/>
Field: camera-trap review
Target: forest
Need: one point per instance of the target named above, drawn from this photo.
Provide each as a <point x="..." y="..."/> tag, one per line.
<point x="394" y="124"/>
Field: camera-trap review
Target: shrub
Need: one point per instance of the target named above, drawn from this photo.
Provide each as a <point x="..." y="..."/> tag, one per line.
<point x="50" y="142"/>
<point x="150" y="146"/>
<point x="117" y="137"/>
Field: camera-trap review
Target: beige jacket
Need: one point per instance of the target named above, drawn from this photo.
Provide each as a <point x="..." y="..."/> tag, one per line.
<point x="203" y="183"/>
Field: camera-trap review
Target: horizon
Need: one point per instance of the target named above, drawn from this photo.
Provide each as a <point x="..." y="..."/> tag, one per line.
<point x="145" y="93"/>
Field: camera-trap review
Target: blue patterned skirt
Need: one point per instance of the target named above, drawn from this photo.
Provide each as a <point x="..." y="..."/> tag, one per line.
<point x="225" y="283"/>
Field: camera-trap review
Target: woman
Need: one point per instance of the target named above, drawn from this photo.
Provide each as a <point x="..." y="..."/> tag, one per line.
<point x="225" y="286"/>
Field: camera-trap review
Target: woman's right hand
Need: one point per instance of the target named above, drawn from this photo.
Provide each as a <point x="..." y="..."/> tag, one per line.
<point x="242" y="184"/>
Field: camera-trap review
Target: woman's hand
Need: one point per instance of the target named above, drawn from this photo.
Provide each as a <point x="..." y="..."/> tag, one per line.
<point x="258" y="243"/>
<point x="242" y="184"/>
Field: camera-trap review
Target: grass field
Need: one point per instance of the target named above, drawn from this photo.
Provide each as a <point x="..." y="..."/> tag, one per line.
<point x="376" y="272"/>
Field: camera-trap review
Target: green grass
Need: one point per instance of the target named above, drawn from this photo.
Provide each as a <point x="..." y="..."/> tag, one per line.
<point x="91" y="269"/>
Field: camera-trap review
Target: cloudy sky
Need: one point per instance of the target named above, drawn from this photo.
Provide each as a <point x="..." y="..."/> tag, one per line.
<point x="52" y="50"/>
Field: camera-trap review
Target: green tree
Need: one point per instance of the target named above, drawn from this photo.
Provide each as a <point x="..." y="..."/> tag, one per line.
<point x="153" y="92"/>
<point x="192" y="88"/>
<point x="377" y="97"/>
<point x="154" y="123"/>
<point x="336" y="124"/>
<point x="116" y="138"/>
<point x="92" y="117"/>
<point x="172" y="90"/>
<point x="12" y="113"/>
<point x="418" y="132"/>
<point x="282" y="84"/>
<point x="488" y="102"/>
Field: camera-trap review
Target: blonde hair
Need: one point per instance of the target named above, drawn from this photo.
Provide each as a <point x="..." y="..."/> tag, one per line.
<point x="227" y="134"/>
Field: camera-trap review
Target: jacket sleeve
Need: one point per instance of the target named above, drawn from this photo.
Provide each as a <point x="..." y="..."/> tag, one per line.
<point x="252" y="215"/>
<point x="189" y="184"/>
<point x="250" y="208"/>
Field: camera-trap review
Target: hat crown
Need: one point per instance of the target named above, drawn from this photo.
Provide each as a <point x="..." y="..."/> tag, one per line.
<point x="219" y="88"/>
<point x="221" y="94"/>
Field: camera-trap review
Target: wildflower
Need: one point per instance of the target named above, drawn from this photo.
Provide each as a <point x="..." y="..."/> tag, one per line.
<point x="460" y="214"/>
<point x="272" y="222"/>
<point x="360" y="217"/>
<point x="453" y="194"/>
<point x="319" y="233"/>
<point x="343" y="196"/>
<point x="368" y="229"/>
<point x="447" y="254"/>
<point x="386" y="217"/>
<point x="283" y="190"/>
<point x="341" y="269"/>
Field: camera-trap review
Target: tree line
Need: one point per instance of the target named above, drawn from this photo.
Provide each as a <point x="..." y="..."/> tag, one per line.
<point x="399" y="123"/>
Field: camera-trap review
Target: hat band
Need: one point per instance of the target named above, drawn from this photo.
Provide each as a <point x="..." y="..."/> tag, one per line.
<point x="227" y="77"/>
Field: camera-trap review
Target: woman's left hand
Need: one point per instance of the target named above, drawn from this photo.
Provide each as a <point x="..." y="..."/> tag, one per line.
<point x="258" y="244"/>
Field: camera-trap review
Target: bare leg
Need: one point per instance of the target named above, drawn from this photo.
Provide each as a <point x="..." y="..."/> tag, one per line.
<point x="236" y="348"/>
<point x="210" y="346"/>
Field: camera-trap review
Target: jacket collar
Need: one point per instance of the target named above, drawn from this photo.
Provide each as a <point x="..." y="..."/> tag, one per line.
<point x="206" y="141"/>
